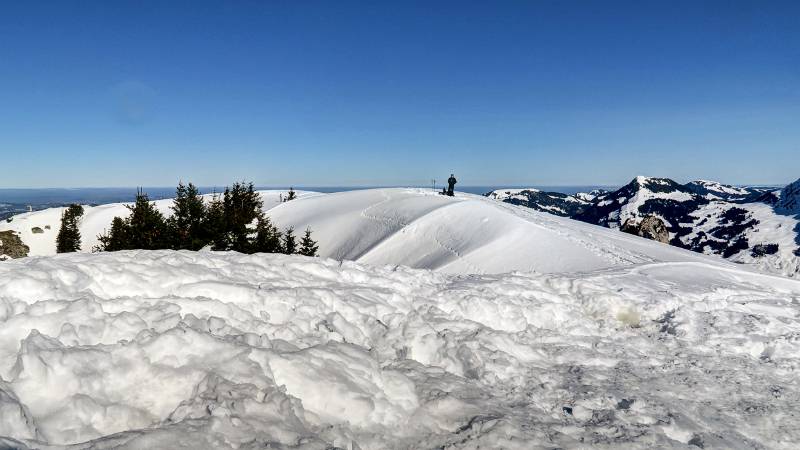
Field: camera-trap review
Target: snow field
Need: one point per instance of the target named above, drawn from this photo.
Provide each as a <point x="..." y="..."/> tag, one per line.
<point x="221" y="350"/>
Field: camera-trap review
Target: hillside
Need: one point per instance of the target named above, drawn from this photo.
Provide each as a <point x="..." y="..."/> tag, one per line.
<point x="413" y="227"/>
<point x="461" y="234"/>
<point x="222" y="350"/>
<point x="746" y="225"/>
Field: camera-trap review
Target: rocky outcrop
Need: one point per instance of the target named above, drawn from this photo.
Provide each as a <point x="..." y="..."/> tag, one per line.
<point x="11" y="246"/>
<point x="651" y="227"/>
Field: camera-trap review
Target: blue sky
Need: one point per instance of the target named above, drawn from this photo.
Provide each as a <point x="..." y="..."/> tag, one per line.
<point x="397" y="93"/>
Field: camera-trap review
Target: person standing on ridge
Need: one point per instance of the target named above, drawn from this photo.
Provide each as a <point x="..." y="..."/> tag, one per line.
<point x="451" y="185"/>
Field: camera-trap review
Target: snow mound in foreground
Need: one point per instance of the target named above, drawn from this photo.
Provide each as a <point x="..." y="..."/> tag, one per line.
<point x="213" y="350"/>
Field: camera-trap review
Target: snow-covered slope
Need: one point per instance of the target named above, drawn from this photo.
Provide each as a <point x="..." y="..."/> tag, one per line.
<point x="745" y="225"/>
<point x="153" y="350"/>
<point x="461" y="234"/>
<point x="414" y="227"/>
<point x="96" y="220"/>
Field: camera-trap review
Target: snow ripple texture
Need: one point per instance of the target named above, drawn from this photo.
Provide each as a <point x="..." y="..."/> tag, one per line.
<point x="214" y="350"/>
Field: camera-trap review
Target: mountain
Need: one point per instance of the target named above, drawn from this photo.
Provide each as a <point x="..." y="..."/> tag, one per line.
<point x="713" y="190"/>
<point x="201" y="350"/>
<point x="552" y="202"/>
<point x="746" y="225"/>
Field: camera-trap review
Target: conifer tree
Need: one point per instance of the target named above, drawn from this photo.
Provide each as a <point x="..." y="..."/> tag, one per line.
<point x="242" y="206"/>
<point x="118" y="238"/>
<point x="268" y="238"/>
<point x="69" y="236"/>
<point x="308" y="246"/>
<point x="214" y="224"/>
<point x="147" y="227"/>
<point x="289" y="244"/>
<point x="186" y="224"/>
<point x="291" y="195"/>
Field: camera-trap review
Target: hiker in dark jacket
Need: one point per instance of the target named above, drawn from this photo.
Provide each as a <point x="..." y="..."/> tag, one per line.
<point x="451" y="185"/>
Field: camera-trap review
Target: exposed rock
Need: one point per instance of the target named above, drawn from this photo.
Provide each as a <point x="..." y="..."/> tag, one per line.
<point x="37" y="230"/>
<point x="651" y="227"/>
<point x="760" y="250"/>
<point x="11" y="246"/>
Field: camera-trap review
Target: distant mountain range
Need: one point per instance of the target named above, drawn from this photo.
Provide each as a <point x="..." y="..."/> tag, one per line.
<point x="754" y="225"/>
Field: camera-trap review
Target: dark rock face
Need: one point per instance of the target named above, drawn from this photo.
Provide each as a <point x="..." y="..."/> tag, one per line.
<point x="651" y="227"/>
<point x="789" y="202"/>
<point x="11" y="245"/>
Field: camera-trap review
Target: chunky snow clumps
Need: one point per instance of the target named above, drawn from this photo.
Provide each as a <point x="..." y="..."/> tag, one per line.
<point x="208" y="350"/>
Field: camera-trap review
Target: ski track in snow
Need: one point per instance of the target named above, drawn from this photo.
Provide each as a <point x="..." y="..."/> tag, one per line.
<point x="221" y="350"/>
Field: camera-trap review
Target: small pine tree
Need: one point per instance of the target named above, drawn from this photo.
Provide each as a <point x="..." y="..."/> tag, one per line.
<point x="268" y="238"/>
<point x="308" y="246"/>
<point x="214" y="224"/>
<point x="242" y="206"/>
<point x="69" y="236"/>
<point x="186" y="224"/>
<point x="291" y="194"/>
<point x="118" y="238"/>
<point x="289" y="244"/>
<point x="147" y="227"/>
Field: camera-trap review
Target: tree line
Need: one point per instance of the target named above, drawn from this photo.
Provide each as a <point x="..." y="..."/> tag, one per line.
<point x="231" y="221"/>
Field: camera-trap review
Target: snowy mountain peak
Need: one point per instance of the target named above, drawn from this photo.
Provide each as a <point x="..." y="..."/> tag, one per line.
<point x="655" y="184"/>
<point x="789" y="201"/>
<point x="503" y="194"/>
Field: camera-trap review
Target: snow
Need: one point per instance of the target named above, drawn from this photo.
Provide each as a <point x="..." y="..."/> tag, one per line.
<point x="413" y="227"/>
<point x="503" y="194"/>
<point x="462" y="234"/>
<point x="221" y="350"/>
<point x="772" y="228"/>
<point x="725" y="189"/>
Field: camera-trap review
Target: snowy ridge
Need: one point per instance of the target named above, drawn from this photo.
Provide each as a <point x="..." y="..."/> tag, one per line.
<point x="715" y="190"/>
<point x="462" y="234"/>
<point x="221" y="350"/>
<point x="414" y="227"/>
<point x="551" y="202"/>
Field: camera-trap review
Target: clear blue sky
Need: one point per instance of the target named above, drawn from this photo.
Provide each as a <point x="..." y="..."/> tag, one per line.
<point x="110" y="93"/>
